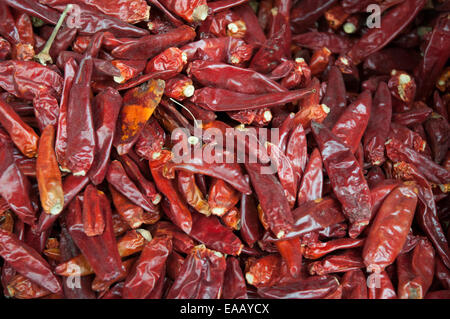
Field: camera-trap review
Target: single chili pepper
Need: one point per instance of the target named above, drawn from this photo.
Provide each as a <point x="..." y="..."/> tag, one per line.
<point x="145" y="47"/>
<point x="118" y="178"/>
<point x="106" y="110"/>
<point x="222" y="24"/>
<point x="343" y="262"/>
<point x="402" y="86"/>
<point x="378" y="127"/>
<point x="316" y="40"/>
<point x="317" y="250"/>
<point x="296" y="150"/>
<point x="148" y="268"/>
<point x="24" y="50"/>
<point x="263" y="272"/>
<point x="232" y="219"/>
<point x="61" y="134"/>
<point x="415" y="271"/>
<point x="316" y="287"/>
<point x="26" y="261"/>
<point x="395" y="21"/>
<point x="102" y="68"/>
<point x="234" y="283"/>
<point x="239" y="80"/>
<point x="307" y="12"/>
<point x="48" y="174"/>
<point x="354" y="196"/>
<point x="334" y="97"/>
<point x="15" y="187"/>
<point x="204" y="270"/>
<point x="287" y="174"/>
<point x="222" y="197"/>
<point x="272" y="200"/>
<point x="396" y="151"/>
<point x="415" y="116"/>
<point x="434" y="58"/>
<point x="346" y="128"/>
<point x="224" y="100"/>
<point x="251" y="230"/>
<point x="314" y="112"/>
<point x="179" y="212"/>
<point x="203" y="227"/>
<point x="139" y="104"/>
<point x="319" y="60"/>
<point x="312" y="180"/>
<point x="8" y="28"/>
<point x="93" y="219"/>
<point x="21" y="134"/>
<point x="426" y="214"/>
<point x="132" y="214"/>
<point x="354" y="285"/>
<point x="269" y="54"/>
<point x="171" y="59"/>
<point x="229" y="172"/>
<point x="390" y="228"/>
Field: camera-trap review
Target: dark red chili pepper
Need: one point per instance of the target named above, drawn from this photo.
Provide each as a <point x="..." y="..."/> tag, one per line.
<point x="378" y="127"/>
<point x="234" y="286"/>
<point x="390" y="227"/>
<point x="132" y="214"/>
<point x="317" y="250"/>
<point x="312" y="180"/>
<point x="254" y="33"/>
<point x="354" y="285"/>
<point x="306" y="12"/>
<point x="15" y="187"/>
<point x="204" y="270"/>
<point x="26" y="261"/>
<point x="148" y="268"/>
<point x="353" y="193"/>
<point x="388" y="59"/>
<point x="145" y="47"/>
<point x="342" y="262"/>
<point x="438" y="131"/>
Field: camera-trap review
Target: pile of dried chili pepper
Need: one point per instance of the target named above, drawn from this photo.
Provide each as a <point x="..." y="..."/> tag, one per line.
<point x="225" y="149"/>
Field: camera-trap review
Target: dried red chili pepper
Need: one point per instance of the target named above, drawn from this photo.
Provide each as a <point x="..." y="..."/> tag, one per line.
<point x="192" y="193"/>
<point x="234" y="283"/>
<point x="354" y="285"/>
<point x="390" y="228"/>
<point x="307" y="12"/>
<point x="201" y="276"/>
<point x="342" y="262"/>
<point x="312" y="180"/>
<point x="48" y="174"/>
<point x="353" y="194"/>
<point x="93" y="219"/>
<point x="317" y="250"/>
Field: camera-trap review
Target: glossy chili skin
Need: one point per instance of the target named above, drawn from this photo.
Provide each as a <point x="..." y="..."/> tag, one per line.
<point x="394" y="22"/>
<point x="312" y="180"/>
<point x="101" y="251"/>
<point x="272" y="200"/>
<point x="21" y="133"/>
<point x="352" y="123"/>
<point x="222" y="197"/>
<point x="201" y="276"/>
<point x="81" y="139"/>
<point x="181" y="242"/>
<point x="15" y="187"/>
<point x="239" y="79"/>
<point x="148" y="268"/>
<point x="354" y="285"/>
<point x="70" y="69"/>
<point x="251" y="229"/>
<point x="28" y="262"/>
<point x="438" y="131"/>
<point x="106" y="108"/>
<point x="254" y="32"/>
<point x="415" y="271"/>
<point x="307" y="12"/>
<point x="48" y="174"/>
<point x="317" y="250"/>
<point x="224" y="240"/>
<point x="316" y="287"/>
<point x="180" y="214"/>
<point x="145" y="47"/>
<point x="353" y="193"/>
<point x="378" y="127"/>
<point x="315" y="40"/>
<point x="193" y="195"/>
<point x="139" y="104"/>
<point x="118" y="178"/>
<point x="390" y="227"/>
<point x="224" y="100"/>
<point x="341" y="262"/>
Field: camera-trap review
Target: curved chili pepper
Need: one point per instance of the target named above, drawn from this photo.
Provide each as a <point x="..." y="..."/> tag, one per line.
<point x="390" y="227"/>
<point x="48" y="174"/>
<point x="353" y="193"/>
<point x="312" y="180"/>
<point x="27" y="262"/>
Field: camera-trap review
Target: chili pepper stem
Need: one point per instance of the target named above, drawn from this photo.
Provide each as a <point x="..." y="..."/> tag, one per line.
<point x="44" y="57"/>
<point x="200" y="13"/>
